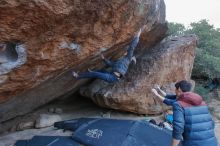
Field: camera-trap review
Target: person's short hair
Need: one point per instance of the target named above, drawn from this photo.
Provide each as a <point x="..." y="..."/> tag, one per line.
<point x="184" y="85"/>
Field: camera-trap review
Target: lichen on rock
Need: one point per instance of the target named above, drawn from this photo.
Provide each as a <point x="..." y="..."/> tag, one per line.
<point x="60" y="36"/>
<point x="166" y="63"/>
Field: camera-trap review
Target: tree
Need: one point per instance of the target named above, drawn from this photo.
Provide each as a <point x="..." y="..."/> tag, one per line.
<point x="208" y="37"/>
<point x="175" y="29"/>
<point x="207" y="61"/>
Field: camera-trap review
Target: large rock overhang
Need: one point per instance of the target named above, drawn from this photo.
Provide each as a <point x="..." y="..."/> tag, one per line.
<point x="58" y="36"/>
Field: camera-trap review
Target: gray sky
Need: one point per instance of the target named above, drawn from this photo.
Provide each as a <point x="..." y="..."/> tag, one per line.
<point x="187" y="11"/>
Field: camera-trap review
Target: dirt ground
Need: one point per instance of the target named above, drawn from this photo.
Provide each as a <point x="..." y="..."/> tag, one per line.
<point x="217" y="130"/>
<point x="71" y="108"/>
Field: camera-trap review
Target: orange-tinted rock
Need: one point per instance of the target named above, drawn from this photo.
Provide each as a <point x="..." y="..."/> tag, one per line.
<point x="52" y="37"/>
<point x="168" y="62"/>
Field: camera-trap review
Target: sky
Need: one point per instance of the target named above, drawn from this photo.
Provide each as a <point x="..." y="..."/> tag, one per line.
<point x="187" y="11"/>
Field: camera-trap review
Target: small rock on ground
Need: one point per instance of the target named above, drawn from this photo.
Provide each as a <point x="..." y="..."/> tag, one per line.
<point x="46" y="120"/>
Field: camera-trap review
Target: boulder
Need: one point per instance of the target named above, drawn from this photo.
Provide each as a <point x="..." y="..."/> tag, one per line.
<point x="168" y="62"/>
<point x="25" y="125"/>
<point x="46" y="120"/>
<point x="42" y="41"/>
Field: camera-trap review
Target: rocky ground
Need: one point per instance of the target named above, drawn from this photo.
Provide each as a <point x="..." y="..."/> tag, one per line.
<point x="217" y="130"/>
<point x="67" y="109"/>
<point x="214" y="106"/>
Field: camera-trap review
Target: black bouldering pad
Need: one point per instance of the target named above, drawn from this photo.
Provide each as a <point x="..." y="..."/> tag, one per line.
<point x="113" y="132"/>
<point x="72" y="124"/>
<point x="103" y="132"/>
<point x="48" y="141"/>
<point x="21" y="143"/>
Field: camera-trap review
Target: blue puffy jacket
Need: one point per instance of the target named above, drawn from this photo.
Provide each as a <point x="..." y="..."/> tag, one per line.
<point x="192" y="121"/>
<point x="122" y="64"/>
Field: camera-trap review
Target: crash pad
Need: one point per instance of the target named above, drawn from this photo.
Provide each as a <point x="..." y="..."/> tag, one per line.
<point x="48" y="141"/>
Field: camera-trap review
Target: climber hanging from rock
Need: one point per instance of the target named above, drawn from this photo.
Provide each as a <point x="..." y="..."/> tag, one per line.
<point x="119" y="67"/>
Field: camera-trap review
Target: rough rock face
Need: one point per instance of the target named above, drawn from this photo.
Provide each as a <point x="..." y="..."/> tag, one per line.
<point x="166" y="63"/>
<point x="41" y="41"/>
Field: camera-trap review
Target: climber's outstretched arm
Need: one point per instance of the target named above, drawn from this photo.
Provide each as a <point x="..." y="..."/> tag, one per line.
<point x="133" y="44"/>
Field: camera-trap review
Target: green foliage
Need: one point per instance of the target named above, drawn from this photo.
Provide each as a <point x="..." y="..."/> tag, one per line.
<point x="175" y="29"/>
<point x="207" y="61"/>
<point x="199" y="89"/>
<point x="209" y="37"/>
<point x="206" y="65"/>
